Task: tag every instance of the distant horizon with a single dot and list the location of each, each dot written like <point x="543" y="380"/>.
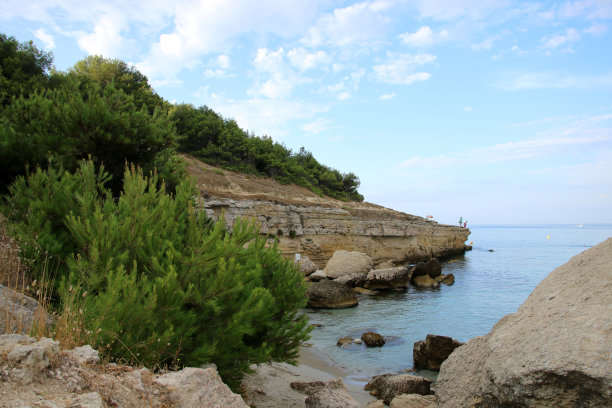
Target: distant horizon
<point x="487" y="110"/>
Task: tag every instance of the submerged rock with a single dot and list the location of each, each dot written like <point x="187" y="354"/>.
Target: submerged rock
<point x="372" y="339"/>
<point x="426" y="281"/>
<point x="344" y="340"/>
<point x="431" y="352"/>
<point x="330" y="295"/>
<point x="553" y="352"/>
<point x="389" y="386"/>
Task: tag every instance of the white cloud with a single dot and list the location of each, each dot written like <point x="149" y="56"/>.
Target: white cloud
<point x="223" y="61"/>
<point x="551" y="80"/>
<point x="360" y="23"/>
<point x="399" y="68"/>
<point x="486" y="44"/>
<point x="46" y="38"/>
<point x="318" y="126"/>
<point x="571" y="35"/>
<point x="468" y="109"/>
<point x="454" y="9"/>
<point x="387" y="96"/>
<point x="423" y="37"/>
<point x="277" y="87"/>
<point x="342" y="96"/>
<point x="593" y="9"/>
<point x="304" y="60"/>
<point x="596" y="29"/>
<point x="269" y="61"/>
<point x="106" y="39"/>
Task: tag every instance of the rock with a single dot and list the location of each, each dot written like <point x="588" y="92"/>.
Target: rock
<point x="431" y="352"/>
<point x="308" y="388"/>
<point x="89" y="400"/>
<point x="306" y="265"/>
<point x="418" y="270"/>
<point x="388" y="386"/>
<point x="446" y="279"/>
<point x="388" y="278"/>
<point x="317" y="276"/>
<point x="352" y="280"/>
<point x="357" y="341"/>
<point x="19" y="312"/>
<point x="344" y="340"/>
<point x="372" y="339"/>
<point x="433" y="268"/>
<point x="333" y="395"/>
<point x="413" y="401"/>
<point x="83" y="355"/>
<point x="385" y="265"/>
<point x="330" y="295"/>
<point x="426" y="281"/>
<point x="376" y="404"/>
<point x="345" y="263"/>
<point x="23" y="358"/>
<point x="364" y="291"/>
<point x="199" y="387"/>
<point x="553" y="352"/>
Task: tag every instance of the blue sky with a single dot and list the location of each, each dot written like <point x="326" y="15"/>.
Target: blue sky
<point x="497" y="111"/>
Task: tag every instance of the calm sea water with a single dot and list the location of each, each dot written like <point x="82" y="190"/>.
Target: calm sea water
<point x="488" y="285"/>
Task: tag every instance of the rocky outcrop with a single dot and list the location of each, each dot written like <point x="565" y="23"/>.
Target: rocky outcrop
<point x="317" y="226"/>
<point x="372" y="339"/>
<point x="553" y="352"/>
<point x="389" y="386"/>
<point x="390" y="278"/>
<point x="18" y="312"/>
<point x="348" y="263"/>
<point x="330" y="295"/>
<point x="353" y="280"/>
<point x="413" y="401"/>
<point x="306" y="265"/>
<point x="332" y="394"/>
<point x="36" y="373"/>
<point x="431" y="352"/>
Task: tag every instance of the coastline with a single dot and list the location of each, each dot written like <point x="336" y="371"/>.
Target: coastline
<point x="270" y="384"/>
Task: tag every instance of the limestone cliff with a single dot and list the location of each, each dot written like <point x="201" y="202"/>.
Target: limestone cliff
<point x="317" y="226"/>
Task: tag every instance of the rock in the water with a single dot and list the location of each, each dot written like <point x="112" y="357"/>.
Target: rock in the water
<point x="418" y="270"/>
<point x="333" y="395"/>
<point x="446" y="279"/>
<point x="19" y="312"/>
<point x="352" y="280"/>
<point x="306" y="265"/>
<point x="358" y="341"/>
<point x="389" y="386"/>
<point x="344" y="340"/>
<point x="431" y="352"/>
<point x="553" y="352"/>
<point x="413" y="401"/>
<point x="426" y="281"/>
<point x="317" y="276"/>
<point x="330" y="295"/>
<point x="433" y="268"/>
<point x="345" y="263"/>
<point x="372" y="339"/>
<point x="199" y="387"/>
<point x="388" y="278"/>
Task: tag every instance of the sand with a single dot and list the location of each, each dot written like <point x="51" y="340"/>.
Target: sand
<point x="270" y="386"/>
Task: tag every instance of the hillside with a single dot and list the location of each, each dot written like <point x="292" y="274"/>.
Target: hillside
<point x="317" y="226"/>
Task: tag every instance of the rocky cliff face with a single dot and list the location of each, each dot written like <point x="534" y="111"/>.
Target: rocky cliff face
<point x="317" y="226"/>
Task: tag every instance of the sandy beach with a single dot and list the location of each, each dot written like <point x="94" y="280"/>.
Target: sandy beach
<point x="270" y="385"/>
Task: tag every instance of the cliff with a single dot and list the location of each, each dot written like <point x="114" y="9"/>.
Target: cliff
<point x="317" y="226"/>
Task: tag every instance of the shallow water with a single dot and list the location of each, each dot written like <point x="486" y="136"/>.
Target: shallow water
<point x="488" y="285"/>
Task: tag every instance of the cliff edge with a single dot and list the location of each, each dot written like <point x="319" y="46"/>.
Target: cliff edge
<point x="317" y="226"/>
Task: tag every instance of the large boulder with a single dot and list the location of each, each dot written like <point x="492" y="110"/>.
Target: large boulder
<point x="199" y="387"/>
<point x="372" y="339"/>
<point x="389" y="278"/>
<point x="553" y="352"/>
<point x="332" y="395"/>
<point x="19" y="312"/>
<point x="306" y="265"/>
<point x="330" y="295"/>
<point x="431" y="352"/>
<point x="23" y="358"/>
<point x="344" y="263"/>
<point x="389" y="386"/>
<point x="352" y="280"/>
<point x="431" y="268"/>
<point x="413" y="401"/>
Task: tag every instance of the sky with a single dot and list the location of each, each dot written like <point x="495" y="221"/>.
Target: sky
<point x="496" y="111"/>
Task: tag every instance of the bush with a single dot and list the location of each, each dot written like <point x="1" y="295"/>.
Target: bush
<point x="159" y="283"/>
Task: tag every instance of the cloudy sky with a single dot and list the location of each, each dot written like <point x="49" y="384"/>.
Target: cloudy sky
<point x="497" y="111"/>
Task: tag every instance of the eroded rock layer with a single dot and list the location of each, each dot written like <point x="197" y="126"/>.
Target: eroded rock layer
<point x="317" y="226"/>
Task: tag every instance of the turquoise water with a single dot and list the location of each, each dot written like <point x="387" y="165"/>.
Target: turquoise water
<point x="488" y="285"/>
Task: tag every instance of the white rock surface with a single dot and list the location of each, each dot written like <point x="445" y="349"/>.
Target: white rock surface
<point x="555" y="351"/>
<point x="346" y="263"/>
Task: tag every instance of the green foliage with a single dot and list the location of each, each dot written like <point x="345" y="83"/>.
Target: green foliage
<point x="218" y="141"/>
<point x="23" y="68"/>
<point x="80" y="119"/>
<point x="161" y="284"/>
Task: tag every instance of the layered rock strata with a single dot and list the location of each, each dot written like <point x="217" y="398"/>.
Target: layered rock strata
<point x="317" y="226"/>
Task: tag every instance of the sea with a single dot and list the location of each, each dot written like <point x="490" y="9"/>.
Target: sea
<point x="492" y="280"/>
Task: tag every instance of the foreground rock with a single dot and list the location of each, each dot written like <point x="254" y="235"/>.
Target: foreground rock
<point x="390" y="278"/>
<point x="372" y="339"/>
<point x="330" y="295"/>
<point x="431" y="352"/>
<point x="19" y="313"/>
<point x="553" y="352"/>
<point x="332" y="394"/>
<point x="389" y="386"/>
<point x="413" y="401"/>
<point x="306" y="265"/>
<point x="347" y="263"/>
<point x="36" y="373"/>
<point x="352" y="280"/>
